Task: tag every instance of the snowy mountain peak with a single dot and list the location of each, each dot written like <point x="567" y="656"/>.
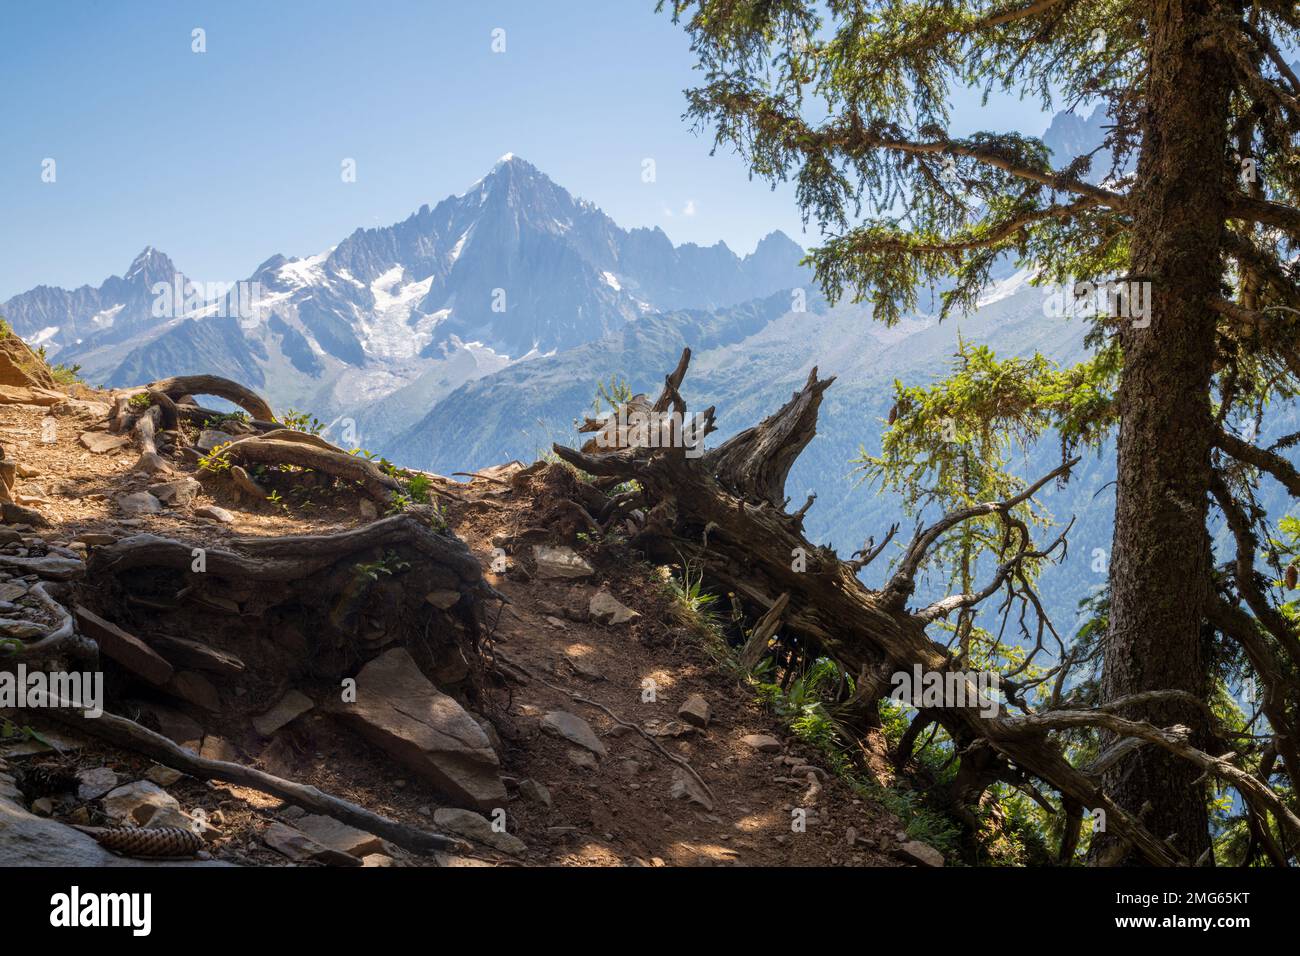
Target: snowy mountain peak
<point x="148" y="267"/>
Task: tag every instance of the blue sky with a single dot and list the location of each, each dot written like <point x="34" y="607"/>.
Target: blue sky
<point x="224" y="158"/>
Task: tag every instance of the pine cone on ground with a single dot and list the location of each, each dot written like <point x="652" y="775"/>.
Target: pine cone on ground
<point x="146" y="841"/>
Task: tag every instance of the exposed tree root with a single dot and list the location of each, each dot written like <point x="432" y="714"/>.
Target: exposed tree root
<point x="129" y="735"/>
<point x="187" y="385"/>
<point x="265" y="450"/>
<point x="293" y="557"/>
<point x="61" y="643"/>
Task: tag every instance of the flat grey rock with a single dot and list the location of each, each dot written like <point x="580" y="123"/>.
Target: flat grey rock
<point x="574" y="729"/>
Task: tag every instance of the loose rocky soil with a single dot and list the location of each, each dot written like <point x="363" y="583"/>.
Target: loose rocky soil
<point x="569" y="806"/>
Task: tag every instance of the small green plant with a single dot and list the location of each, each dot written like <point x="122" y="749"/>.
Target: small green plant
<point x="697" y="603"/>
<point x="696" y="608"/>
<point x="613" y="393"/>
<point x="10" y="730"/>
<point x="391" y="563"/>
<point x="225" y="420"/>
<point x="215" y="461"/>
<point x="420" y="487"/>
<point x="63" y="374"/>
<point x="438" y="518"/>
<point x="67" y="374"/>
<point x="140" y="401"/>
<point x="302" y="422"/>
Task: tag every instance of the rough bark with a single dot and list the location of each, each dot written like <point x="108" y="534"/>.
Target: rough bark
<point x="1159" y="570"/>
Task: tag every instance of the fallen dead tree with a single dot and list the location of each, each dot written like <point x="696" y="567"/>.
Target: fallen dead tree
<point x="724" y="512"/>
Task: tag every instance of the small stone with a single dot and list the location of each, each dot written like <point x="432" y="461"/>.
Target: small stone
<point x="763" y="743"/>
<point x="534" y="791"/>
<point x="468" y="824"/>
<point x="583" y="665"/>
<point x="139" y="503"/>
<point x="138" y="802"/>
<point x="377" y="859"/>
<point x="101" y="443"/>
<point x="93" y="784"/>
<point x="339" y="836"/>
<point x="425" y="730"/>
<point x="443" y="600"/>
<point x="215" y="513"/>
<point x="695" y="711"/>
<point x="606" y="609"/>
<point x="291" y="706"/>
<point x="176" y="817"/>
<point x="803" y="769"/>
<point x="210" y="438"/>
<point x="920" y="853"/>
<point x="561" y="723"/>
<point x="367" y="509"/>
<point x="125" y="649"/>
<point x="297" y="846"/>
<point x="583" y="759"/>
<point x="561" y="562"/>
<point x="218" y="748"/>
<point x="673" y="728"/>
<point x="96" y="538"/>
<point x="177" y="493"/>
<point x="686" y="787"/>
<point x="163" y="776"/>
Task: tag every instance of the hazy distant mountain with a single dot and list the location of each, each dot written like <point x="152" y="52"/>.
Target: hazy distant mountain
<point x="118" y="309"/>
<point x="1070" y="135"/>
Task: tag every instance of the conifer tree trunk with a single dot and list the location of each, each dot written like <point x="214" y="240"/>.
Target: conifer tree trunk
<point x="1160" y="558"/>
